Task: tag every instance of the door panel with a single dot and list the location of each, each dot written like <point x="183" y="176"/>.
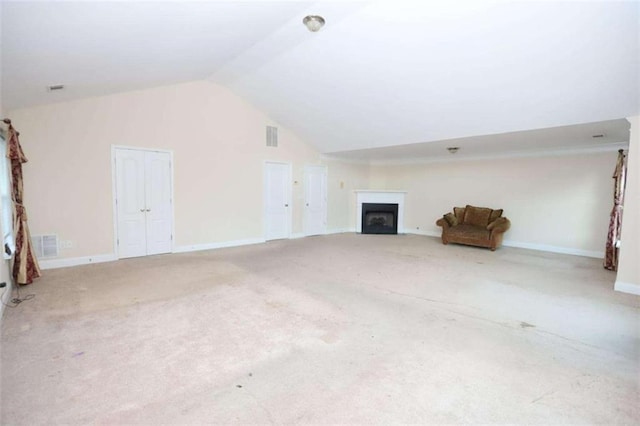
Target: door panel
<point x="158" y="202"/>
<point x="315" y="210"/>
<point x="277" y="201"/>
<point x="130" y="203"/>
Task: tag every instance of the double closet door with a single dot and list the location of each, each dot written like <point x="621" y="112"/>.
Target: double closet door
<point x="143" y="202"/>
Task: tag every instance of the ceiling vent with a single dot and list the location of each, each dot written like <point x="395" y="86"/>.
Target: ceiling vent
<point x="272" y="136"/>
<point x="45" y="245"/>
<point x="55" y="87"/>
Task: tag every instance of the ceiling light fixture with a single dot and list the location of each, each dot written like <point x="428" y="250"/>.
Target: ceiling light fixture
<point x="453" y="149"/>
<point x="313" y="22"/>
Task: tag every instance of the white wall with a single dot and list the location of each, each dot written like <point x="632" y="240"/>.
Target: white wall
<point x="219" y="149"/>
<point x="556" y="203"/>
<point x="5" y="275"/>
<point x="628" y="278"/>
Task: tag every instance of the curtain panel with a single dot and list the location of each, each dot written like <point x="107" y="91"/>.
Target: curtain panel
<point x="615" y="221"/>
<point x="25" y="263"/>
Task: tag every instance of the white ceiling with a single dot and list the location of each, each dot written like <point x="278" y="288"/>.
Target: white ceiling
<point x="96" y="48"/>
<point x="379" y="74"/>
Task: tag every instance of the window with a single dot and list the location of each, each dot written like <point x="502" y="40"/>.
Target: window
<point x="6" y="204"/>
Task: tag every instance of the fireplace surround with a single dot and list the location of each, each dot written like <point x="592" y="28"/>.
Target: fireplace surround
<point x="380" y="197"/>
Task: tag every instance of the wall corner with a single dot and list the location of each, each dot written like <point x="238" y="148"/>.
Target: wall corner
<point x="628" y="277"/>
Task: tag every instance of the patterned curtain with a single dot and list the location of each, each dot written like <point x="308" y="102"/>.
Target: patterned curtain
<point x="615" y="222"/>
<point x="25" y="264"/>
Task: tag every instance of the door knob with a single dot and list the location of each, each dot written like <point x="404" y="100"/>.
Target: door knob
<point x="142" y="210"/>
<point x="286" y="205"/>
<point x="307" y="204"/>
<point x="148" y="210"/>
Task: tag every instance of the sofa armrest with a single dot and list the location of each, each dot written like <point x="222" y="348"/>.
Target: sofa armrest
<point x="442" y="222"/>
<point x="500" y="225"/>
<point x="449" y="219"/>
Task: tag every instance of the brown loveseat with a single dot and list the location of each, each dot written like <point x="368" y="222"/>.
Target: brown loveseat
<point x="476" y="226"/>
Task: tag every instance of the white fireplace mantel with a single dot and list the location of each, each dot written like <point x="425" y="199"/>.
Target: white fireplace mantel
<point x="382" y="197"/>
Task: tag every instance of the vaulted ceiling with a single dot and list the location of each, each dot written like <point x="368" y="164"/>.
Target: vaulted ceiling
<point x="379" y="74"/>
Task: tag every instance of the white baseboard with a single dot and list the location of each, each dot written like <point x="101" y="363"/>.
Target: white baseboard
<point x="625" y="287"/>
<point x="424" y="233"/>
<point x="530" y="246"/>
<point x="327" y="232"/>
<point x="340" y="231"/>
<point x="76" y="261"/>
<point x="223" y="244"/>
<point x="555" y="249"/>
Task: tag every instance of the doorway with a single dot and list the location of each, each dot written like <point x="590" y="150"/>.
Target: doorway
<point x="143" y="202"/>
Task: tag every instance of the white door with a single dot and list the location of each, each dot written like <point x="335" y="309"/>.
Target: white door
<point x="158" y="202"/>
<point x="315" y="200"/>
<point x="130" y="208"/>
<point x="277" y="201"/>
<point x="143" y="202"/>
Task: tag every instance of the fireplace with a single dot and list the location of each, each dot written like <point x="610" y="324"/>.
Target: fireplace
<point x="380" y="197"/>
<point x="379" y="218"/>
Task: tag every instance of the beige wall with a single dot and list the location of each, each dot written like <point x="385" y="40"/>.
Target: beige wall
<point x="343" y="179"/>
<point x="553" y="202"/>
<point x="218" y="141"/>
<point x="628" y="278"/>
<point x="219" y="151"/>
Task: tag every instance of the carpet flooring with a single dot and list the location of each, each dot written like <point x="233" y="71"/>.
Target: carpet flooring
<point x="350" y="329"/>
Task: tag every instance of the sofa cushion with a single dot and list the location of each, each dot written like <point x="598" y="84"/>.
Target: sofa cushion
<point x="451" y="219"/>
<point x="495" y="214"/>
<point x="459" y="212"/>
<point x="470" y="232"/>
<point x="477" y="216"/>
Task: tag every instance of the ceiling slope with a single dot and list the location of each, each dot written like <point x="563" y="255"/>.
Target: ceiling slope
<point x="397" y="73"/>
<point x="102" y="47"/>
<point x="379" y="74"/>
<point x="599" y="136"/>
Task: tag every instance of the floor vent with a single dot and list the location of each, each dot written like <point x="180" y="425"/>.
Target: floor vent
<point x="45" y="245"/>
<point x="272" y="136"/>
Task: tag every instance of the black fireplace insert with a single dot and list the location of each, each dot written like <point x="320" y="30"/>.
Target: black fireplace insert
<point x="379" y="218"/>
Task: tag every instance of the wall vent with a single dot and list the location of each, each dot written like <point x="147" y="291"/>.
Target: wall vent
<point x="45" y="245"/>
<point x="272" y="136"/>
